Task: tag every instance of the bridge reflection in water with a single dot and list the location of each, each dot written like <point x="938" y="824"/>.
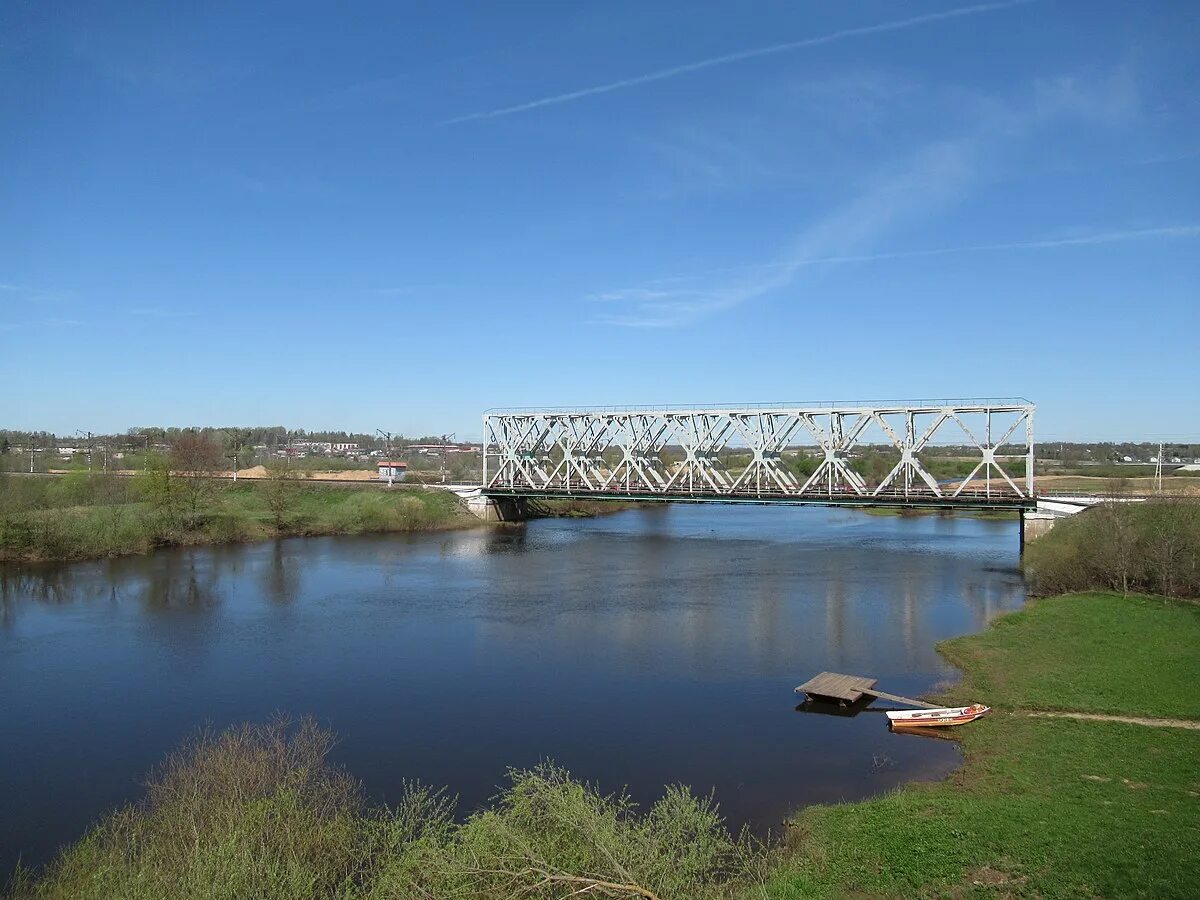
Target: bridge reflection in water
<point x="731" y="454"/>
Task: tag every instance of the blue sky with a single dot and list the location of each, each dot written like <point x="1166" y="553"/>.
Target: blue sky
<point x="398" y="215"/>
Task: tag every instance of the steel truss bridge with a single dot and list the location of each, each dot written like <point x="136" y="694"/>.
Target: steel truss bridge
<point x="732" y="454"/>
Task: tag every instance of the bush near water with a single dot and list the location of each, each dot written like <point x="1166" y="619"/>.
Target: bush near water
<point x="1150" y="547"/>
<point x="259" y="811"/>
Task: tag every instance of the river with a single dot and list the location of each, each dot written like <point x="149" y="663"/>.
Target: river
<point x="647" y="647"/>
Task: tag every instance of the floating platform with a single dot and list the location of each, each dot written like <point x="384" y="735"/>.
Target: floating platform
<point x="846" y="690"/>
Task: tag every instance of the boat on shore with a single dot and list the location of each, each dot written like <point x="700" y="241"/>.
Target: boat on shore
<point x="936" y="718"/>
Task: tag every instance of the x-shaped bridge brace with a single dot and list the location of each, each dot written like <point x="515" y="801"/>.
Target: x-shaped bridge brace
<point x="636" y="452"/>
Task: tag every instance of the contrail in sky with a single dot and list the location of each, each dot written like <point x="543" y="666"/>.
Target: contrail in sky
<point x="663" y="74"/>
<point x="1104" y="237"/>
<point x="672" y="300"/>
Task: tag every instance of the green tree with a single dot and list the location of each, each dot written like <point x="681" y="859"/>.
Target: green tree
<point x="280" y="491"/>
<point x="195" y="460"/>
<point x="155" y="484"/>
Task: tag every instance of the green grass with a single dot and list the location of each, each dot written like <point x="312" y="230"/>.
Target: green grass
<point x="1042" y="807"/>
<point x="1087" y="652"/>
<point x="116" y="517"/>
<point x="328" y="509"/>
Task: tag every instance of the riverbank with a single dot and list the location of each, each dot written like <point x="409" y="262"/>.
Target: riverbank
<point x="92" y="517"/>
<point x="81" y="516"/>
<point x="577" y="508"/>
<point x="909" y="512"/>
<point x="1042" y="806"/>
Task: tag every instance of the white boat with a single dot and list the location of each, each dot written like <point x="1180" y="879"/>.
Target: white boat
<point x="926" y="718"/>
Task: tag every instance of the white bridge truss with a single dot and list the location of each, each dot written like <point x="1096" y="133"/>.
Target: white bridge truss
<point x="739" y="453"/>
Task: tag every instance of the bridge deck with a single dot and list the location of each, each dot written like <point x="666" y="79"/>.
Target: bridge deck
<point x="965" y="500"/>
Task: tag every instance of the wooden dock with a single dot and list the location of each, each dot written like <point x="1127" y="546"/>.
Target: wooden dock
<point x="832" y="687"/>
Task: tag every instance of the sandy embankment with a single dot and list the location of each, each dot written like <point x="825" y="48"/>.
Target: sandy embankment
<point x="259" y="472"/>
<point x="344" y="475"/>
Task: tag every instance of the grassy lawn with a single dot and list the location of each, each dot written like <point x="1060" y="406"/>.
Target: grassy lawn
<point x="1087" y="652"/>
<point x="1042" y="807"/>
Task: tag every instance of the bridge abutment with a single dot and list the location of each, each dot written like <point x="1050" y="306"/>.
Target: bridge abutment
<point x="1034" y="525"/>
<point x="499" y="509"/>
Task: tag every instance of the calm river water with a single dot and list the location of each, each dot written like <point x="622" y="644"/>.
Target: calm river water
<point x="642" y="648"/>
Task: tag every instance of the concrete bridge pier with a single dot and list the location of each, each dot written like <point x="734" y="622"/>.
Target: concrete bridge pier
<point x="1034" y="525"/>
<point x="498" y="509"/>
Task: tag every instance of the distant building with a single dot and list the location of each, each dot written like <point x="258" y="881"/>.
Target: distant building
<point x="345" y="448"/>
<point x="441" y="448"/>
<point x="390" y="470"/>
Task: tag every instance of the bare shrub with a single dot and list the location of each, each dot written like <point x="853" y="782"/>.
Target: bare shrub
<point x="1150" y="547"/>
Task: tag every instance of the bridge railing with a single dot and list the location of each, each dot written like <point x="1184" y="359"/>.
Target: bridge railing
<point x="753" y="451"/>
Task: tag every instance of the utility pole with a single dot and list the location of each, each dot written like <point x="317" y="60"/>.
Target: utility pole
<point x="87" y="435"/>
<point x="387" y="440"/>
<point x="446" y="439"/>
<point x="1158" y="470"/>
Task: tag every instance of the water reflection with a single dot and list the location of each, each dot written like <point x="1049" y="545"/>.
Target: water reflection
<point x="281" y="576"/>
<point x="649" y="647"/>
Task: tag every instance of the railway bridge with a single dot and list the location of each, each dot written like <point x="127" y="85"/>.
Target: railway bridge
<point x="808" y="453"/>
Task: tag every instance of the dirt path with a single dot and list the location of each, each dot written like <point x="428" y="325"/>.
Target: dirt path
<point x="1132" y="720"/>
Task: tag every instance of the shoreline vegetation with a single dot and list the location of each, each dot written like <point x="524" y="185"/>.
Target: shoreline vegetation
<point x="1152" y="547"/>
<point x="998" y="515"/>
<point x="581" y="508"/>
<point x="1044" y="805"/>
<point x="81" y="516"/>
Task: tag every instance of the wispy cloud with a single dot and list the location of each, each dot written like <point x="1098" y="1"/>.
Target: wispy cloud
<point x="657" y="305"/>
<point x="740" y="56"/>
<point x="1080" y="240"/>
<point x="935" y="177"/>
